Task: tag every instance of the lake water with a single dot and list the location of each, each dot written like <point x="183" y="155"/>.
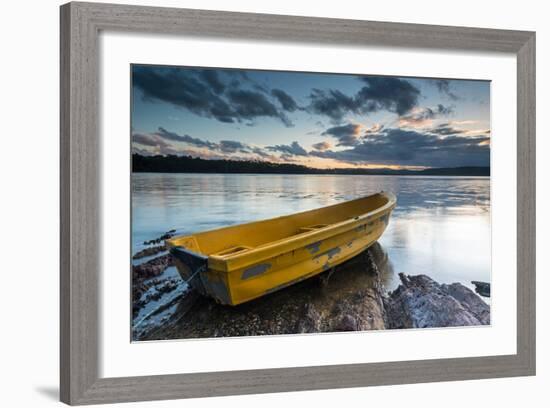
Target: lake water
<point x="440" y="227"/>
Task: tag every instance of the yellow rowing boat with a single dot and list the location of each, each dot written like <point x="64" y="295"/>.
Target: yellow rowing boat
<point x="239" y="263"/>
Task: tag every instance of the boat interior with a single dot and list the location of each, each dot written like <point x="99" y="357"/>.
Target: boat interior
<point x="235" y="240"/>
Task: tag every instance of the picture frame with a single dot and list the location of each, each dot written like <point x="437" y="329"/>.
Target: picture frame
<point x="81" y="24"/>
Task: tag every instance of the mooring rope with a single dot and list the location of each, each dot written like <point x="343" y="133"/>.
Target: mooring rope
<point x="201" y="269"/>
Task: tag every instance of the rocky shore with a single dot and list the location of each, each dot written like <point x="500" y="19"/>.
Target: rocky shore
<point x="150" y="251"/>
<point x="422" y="302"/>
<point x="352" y="298"/>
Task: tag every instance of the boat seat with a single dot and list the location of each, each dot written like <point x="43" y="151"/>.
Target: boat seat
<point x="232" y="251"/>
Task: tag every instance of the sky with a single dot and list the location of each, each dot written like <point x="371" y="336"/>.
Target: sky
<point x="319" y="120"/>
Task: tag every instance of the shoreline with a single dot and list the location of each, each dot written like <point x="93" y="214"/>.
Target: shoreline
<point x="189" y="164"/>
<point x="353" y="298"/>
<point x="441" y="176"/>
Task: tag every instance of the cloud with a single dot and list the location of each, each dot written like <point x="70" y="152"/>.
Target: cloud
<point x="147" y="140"/>
<point x="374" y="129"/>
<point x="387" y="93"/>
<point x="286" y="101"/>
<point x="347" y="135"/>
<point x="161" y="137"/>
<point x="463" y="122"/>
<point x="446" y="129"/>
<point x="444" y="110"/>
<point x="153" y="144"/>
<point x="396" y="146"/>
<point x="249" y="105"/>
<point x="141" y="151"/>
<point x="293" y="149"/>
<point x="262" y="153"/>
<point x="225" y="146"/>
<point x="422" y="117"/>
<point x="444" y="86"/>
<point x="211" y="77"/>
<point x="182" y="88"/>
<point x="205" y="93"/>
<point x="159" y="142"/>
<point x="232" y="146"/>
<point x="331" y="103"/>
<point x="379" y="93"/>
<point x="321" y="146"/>
<point x="184" y="139"/>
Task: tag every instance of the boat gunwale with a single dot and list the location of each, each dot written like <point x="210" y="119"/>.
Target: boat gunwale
<point x="287" y="244"/>
<point x="282" y="246"/>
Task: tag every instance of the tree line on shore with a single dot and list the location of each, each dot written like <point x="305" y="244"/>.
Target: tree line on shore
<point x="188" y="164"/>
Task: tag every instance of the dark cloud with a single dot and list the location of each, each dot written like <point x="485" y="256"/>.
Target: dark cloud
<point x="239" y="73"/>
<point x="287" y="157"/>
<point x="261" y="152"/>
<point x="211" y="77"/>
<point x="408" y="147"/>
<point x="444" y="110"/>
<point x="249" y="105"/>
<point x="158" y="144"/>
<point x="183" y="88"/>
<point x="379" y="93"/>
<point x="347" y="135"/>
<point x="225" y="146"/>
<point x="232" y="146"/>
<point x="322" y="146"/>
<point x="424" y="116"/>
<point x="160" y="139"/>
<point x="446" y="129"/>
<point x="293" y="149"/>
<point x="185" y="139"/>
<point x="387" y="93"/>
<point x="241" y="78"/>
<point x="331" y="103"/>
<point x="286" y="101"/>
<point x="147" y="140"/>
<point x="374" y="129"/>
<point x="204" y="93"/>
<point x="444" y="86"/>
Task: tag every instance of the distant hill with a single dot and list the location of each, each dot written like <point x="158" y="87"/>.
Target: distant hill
<point x="188" y="164"/>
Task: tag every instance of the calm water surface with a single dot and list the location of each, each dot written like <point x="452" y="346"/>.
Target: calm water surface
<point x="440" y="227"/>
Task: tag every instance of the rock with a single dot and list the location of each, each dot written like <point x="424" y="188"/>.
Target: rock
<point x="168" y="286"/>
<point x="311" y="322"/>
<point x="142" y="281"/>
<point x="151" y="268"/>
<point x="350" y="300"/>
<point x="422" y="302"/>
<point x="347" y="323"/>
<point x="163" y="237"/>
<point x="353" y="299"/>
<point x="470" y="302"/>
<point x="149" y="251"/>
<point x="483" y="288"/>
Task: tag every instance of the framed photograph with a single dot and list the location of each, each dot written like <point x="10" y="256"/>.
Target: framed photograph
<point x="259" y="203"/>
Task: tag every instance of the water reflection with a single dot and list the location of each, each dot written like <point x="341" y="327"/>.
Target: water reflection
<point x="440" y="227"/>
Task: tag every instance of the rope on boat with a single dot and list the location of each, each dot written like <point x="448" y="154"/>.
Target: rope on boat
<point x="201" y="269"/>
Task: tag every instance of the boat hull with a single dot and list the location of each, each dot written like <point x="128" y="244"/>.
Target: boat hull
<point x="246" y="273"/>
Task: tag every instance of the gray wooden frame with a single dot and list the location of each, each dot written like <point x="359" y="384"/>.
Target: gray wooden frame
<point x="80" y="192"/>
